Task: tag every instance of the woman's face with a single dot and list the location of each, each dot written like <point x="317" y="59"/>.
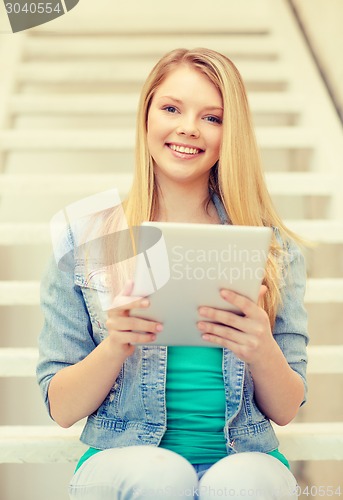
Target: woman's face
<point x="184" y="130"/>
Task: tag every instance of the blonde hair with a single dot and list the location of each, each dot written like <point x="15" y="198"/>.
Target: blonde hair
<point x="237" y="176"/>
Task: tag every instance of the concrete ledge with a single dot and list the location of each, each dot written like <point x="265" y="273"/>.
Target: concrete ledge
<point x="22" y="361"/>
<point x="319" y="291"/>
<point x="51" y="444"/>
<point x="268" y="138"/>
<point x="279" y="183"/>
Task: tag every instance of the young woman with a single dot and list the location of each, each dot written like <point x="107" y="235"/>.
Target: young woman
<point x="183" y="422"/>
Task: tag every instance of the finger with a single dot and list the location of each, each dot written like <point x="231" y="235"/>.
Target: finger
<point x="245" y="305"/>
<point x="220" y="341"/>
<point x="135" y="338"/>
<point x="122" y="303"/>
<point x="130" y="323"/>
<point x="124" y="297"/>
<point x="222" y="331"/>
<point x="225" y="317"/>
<point x="237" y="349"/>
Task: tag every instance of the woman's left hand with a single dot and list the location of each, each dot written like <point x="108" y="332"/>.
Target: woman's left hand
<point x="249" y="337"/>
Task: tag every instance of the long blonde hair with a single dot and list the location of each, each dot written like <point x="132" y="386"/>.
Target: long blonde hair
<point x="237" y="177"/>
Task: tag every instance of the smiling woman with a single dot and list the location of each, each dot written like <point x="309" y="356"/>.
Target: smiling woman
<point x="164" y="423"/>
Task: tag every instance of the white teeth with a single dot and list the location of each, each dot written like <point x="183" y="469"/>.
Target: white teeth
<point x="182" y="149"/>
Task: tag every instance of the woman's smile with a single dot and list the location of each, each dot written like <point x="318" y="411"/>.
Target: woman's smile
<point x="184" y="151"/>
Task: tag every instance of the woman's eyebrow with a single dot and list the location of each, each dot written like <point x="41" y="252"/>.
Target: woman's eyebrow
<point x="211" y="108"/>
<point x="171" y="97"/>
<point x="218" y="108"/>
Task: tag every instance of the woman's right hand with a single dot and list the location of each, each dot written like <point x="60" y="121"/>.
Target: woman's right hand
<point x="121" y="325"/>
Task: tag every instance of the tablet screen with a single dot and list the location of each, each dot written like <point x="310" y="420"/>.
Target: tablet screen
<point x="189" y="265"/>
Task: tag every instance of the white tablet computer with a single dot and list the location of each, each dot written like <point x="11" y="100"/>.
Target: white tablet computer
<point x="184" y="266"/>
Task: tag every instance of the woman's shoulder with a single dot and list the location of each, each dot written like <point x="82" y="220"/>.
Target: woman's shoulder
<point x="78" y="241"/>
<point x="79" y="230"/>
<point x="290" y="249"/>
<point x="291" y="261"/>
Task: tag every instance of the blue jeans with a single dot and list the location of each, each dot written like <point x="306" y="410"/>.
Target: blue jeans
<point x="151" y="473"/>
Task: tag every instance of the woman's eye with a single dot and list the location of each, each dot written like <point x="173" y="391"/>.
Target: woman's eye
<point x="213" y="119"/>
<point x="170" y="109"/>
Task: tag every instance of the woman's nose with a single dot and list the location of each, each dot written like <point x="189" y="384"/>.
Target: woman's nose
<point x="188" y="128"/>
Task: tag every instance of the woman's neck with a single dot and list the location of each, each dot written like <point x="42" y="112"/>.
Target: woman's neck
<point x="182" y="204"/>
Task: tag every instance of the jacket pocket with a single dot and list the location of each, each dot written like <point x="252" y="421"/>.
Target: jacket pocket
<point x="95" y="291"/>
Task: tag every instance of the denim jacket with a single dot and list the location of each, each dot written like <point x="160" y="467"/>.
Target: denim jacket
<point x="134" y="411"/>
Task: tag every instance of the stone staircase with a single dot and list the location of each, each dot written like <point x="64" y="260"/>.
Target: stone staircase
<point x="68" y="96"/>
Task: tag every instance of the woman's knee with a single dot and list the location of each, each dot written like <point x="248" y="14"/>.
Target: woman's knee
<point x="248" y="475"/>
<point x="134" y="472"/>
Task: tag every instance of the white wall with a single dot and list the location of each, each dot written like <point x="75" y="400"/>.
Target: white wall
<point x="323" y="21"/>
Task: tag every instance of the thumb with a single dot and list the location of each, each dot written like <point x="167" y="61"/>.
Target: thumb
<point x="127" y="289"/>
<point x="263" y="291"/>
<point x="125" y="296"/>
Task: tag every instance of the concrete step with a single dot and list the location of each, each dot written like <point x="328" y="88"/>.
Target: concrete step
<point x="319" y="291"/>
<point x="132" y="71"/>
<point x="292" y="138"/>
<point x="321" y="231"/>
<point x="21" y="362"/>
<point x="253" y="46"/>
<point x="40" y="444"/>
<point x="227" y="17"/>
<point x="300" y="183"/>
<point x="119" y="103"/>
<point x="33" y="233"/>
<point x="311" y="441"/>
<point x="18" y="362"/>
<point x="324" y="290"/>
<point x="52" y="444"/>
<point x="279" y="183"/>
<point x="36" y="233"/>
<point x="14" y="293"/>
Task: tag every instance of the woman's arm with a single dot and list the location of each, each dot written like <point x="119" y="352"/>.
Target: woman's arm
<point x="279" y="390"/>
<point x="74" y="374"/>
<point x="78" y="390"/>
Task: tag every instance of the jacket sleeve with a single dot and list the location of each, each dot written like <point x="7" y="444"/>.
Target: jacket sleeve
<point x="290" y="328"/>
<point x="66" y="336"/>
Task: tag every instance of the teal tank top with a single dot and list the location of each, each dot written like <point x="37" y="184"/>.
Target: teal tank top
<point x="195" y="400"/>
